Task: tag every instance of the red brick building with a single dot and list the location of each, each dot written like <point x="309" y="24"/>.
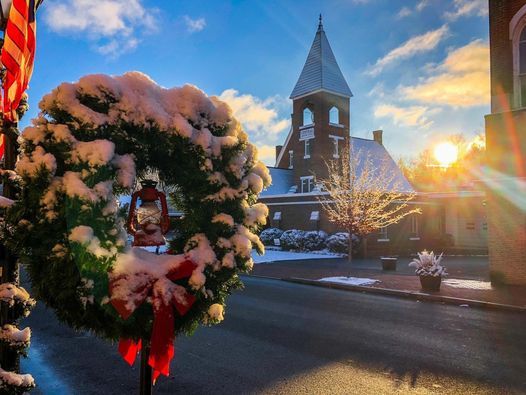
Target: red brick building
<point x="506" y="142"/>
<point x="320" y="128"/>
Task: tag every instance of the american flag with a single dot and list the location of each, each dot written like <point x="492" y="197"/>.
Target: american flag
<point x="18" y="54"/>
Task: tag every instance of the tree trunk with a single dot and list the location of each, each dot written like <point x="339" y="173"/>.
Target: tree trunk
<point x="364" y="247"/>
<point x="350" y="248"/>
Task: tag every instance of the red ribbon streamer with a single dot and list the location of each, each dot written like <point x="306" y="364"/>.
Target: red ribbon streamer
<point x="165" y="295"/>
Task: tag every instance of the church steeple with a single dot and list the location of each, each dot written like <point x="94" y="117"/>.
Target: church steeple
<point x="321" y="71"/>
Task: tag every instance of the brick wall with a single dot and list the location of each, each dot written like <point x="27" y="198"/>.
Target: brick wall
<point x="506" y="240"/>
<point x="321" y="146"/>
<point x="297" y="216"/>
<point x="501" y="55"/>
<point x="506" y="154"/>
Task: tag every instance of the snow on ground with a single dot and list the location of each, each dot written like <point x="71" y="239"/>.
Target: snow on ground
<point x="467" y="284"/>
<point x="275" y="255"/>
<point x="350" y="280"/>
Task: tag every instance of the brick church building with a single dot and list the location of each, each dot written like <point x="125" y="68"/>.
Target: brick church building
<point x="506" y="142"/>
<point x="320" y="128"/>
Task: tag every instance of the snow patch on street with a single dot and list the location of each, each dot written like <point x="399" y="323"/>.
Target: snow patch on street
<point x="467" y="284"/>
<point x="274" y="255"/>
<point x="350" y="280"/>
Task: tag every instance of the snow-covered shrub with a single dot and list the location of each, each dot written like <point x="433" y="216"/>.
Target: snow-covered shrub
<point x="267" y="236"/>
<point x="339" y="242"/>
<point x="314" y="240"/>
<point x="428" y="264"/>
<point x="292" y="239"/>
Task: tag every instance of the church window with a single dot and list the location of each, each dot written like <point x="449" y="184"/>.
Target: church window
<point x="334" y="116"/>
<point x="307" y="183"/>
<point x="522" y="67"/>
<point x="308" y="117"/>
<point x="517" y="35"/>
<point x="307" y="149"/>
<point x="336" y="145"/>
<point x="291" y="159"/>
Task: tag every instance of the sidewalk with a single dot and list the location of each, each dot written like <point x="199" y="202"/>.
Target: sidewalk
<point x="468" y="279"/>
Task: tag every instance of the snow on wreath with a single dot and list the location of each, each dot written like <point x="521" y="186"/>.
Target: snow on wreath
<point x="91" y="143"/>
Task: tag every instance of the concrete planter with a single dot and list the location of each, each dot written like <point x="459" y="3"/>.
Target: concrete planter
<point x="388" y="263"/>
<point x="430" y="283"/>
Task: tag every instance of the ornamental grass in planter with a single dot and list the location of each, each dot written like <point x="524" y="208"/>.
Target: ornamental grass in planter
<point x="429" y="269"/>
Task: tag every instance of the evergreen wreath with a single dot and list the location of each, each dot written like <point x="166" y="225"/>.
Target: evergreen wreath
<point x="91" y="141"/>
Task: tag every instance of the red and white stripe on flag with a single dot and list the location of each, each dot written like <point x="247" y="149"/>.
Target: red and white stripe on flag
<point x="18" y="54"/>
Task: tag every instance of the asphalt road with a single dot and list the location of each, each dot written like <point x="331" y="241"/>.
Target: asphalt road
<point x="465" y="267"/>
<point x="296" y="339"/>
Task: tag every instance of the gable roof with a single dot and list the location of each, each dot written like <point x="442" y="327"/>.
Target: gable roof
<point x="282" y="180"/>
<point x="321" y="71"/>
<point x="381" y="160"/>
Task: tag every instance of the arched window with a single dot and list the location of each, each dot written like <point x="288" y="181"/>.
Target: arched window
<point x="522" y="67"/>
<point x="308" y="117"/>
<point x="334" y="116"/>
<point x="517" y="35"/>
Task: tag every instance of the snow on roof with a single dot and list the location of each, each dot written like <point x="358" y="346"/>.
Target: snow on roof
<point x="321" y="71"/>
<point x="381" y="158"/>
<point x="282" y="180"/>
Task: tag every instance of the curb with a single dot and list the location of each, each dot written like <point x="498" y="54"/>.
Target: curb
<point x="406" y="294"/>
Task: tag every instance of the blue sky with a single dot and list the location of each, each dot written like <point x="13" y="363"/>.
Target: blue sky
<point x="418" y="69"/>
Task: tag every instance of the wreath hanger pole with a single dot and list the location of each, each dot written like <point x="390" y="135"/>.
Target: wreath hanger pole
<point x="146" y="369"/>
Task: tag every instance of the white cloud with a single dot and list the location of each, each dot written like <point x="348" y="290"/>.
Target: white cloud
<point x="260" y="119"/>
<point x="194" y="25"/>
<point x="405" y="11"/>
<point x="111" y="24"/>
<point x="422" y="4"/>
<point x="416" y="116"/>
<point x="461" y="80"/>
<point x="415" y="45"/>
<point x="464" y="8"/>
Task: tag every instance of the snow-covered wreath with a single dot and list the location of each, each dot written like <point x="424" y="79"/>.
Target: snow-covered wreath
<point x="90" y="143"/>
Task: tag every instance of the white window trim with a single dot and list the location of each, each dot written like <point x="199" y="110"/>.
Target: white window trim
<point x="291" y="159"/>
<point x="303" y="117"/>
<point x="336" y="125"/>
<point x="383" y="240"/>
<point x="336" y="138"/>
<point x="307" y="126"/>
<point x="415" y="230"/>
<point x="311" y="178"/>
<point x="307" y="141"/>
<point x="517" y="24"/>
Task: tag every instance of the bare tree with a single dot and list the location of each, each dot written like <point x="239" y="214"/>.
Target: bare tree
<point x="364" y="195"/>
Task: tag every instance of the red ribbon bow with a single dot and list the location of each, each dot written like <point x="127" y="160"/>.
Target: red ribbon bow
<point x="165" y="295"/>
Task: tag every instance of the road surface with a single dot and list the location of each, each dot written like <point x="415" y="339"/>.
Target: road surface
<point x="297" y="339"/>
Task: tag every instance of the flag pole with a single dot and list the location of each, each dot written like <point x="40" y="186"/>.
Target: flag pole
<point x="9" y="272"/>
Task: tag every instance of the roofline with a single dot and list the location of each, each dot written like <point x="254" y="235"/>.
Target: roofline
<point x="320" y="90"/>
<point x="280" y="155"/>
<point x="452" y="194"/>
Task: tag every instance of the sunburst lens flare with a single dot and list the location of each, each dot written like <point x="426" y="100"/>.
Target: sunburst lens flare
<point x="446" y="154"/>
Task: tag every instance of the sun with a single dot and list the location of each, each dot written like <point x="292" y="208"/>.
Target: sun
<point x="446" y="153"/>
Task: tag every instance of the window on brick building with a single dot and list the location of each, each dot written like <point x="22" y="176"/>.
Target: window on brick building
<point x="291" y="159"/>
<point x="308" y="117"/>
<point x="335" y="142"/>
<point x="414" y="225"/>
<point x="307" y="184"/>
<point x="522" y="67"/>
<point x="307" y="149"/>
<point x="382" y="234"/>
<point x="334" y="116"/>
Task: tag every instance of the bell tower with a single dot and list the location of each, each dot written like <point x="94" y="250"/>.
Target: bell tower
<point x="320" y="117"/>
